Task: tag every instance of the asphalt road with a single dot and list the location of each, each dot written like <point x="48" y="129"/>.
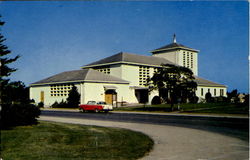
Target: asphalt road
<point x="229" y="126"/>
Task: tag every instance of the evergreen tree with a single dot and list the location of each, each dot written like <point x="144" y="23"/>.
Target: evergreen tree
<point x="5" y="70"/>
<point x="73" y="99"/>
<point x="14" y="99"/>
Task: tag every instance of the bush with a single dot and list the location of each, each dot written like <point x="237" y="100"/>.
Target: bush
<point x="194" y="99"/>
<point x="208" y="97"/>
<point x="220" y="99"/>
<point x="73" y="99"/>
<point x="156" y="100"/>
<point x="62" y="104"/>
<point x="19" y="114"/>
<point x="40" y="105"/>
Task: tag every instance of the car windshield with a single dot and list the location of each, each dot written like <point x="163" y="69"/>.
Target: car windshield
<point x="101" y="103"/>
<point x="91" y="102"/>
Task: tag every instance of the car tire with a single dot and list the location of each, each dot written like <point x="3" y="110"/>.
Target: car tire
<point x="96" y="110"/>
<point x="80" y="109"/>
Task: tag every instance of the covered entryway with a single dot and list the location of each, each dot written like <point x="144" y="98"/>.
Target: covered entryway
<point x="141" y="94"/>
<point x="110" y="94"/>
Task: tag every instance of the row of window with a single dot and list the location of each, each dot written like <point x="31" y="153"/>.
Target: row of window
<point x="188" y="59"/>
<point x="60" y="89"/>
<point x="214" y="93"/>
<point x="104" y="70"/>
<point x="143" y="75"/>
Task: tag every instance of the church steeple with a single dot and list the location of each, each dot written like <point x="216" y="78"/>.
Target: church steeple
<point x="174" y="38"/>
<point x="179" y="54"/>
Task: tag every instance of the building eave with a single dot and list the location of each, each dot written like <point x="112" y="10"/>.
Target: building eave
<point x="174" y="48"/>
<point x="120" y="62"/>
<point x="80" y="81"/>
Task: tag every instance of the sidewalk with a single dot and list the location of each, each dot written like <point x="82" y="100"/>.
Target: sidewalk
<point x="161" y="113"/>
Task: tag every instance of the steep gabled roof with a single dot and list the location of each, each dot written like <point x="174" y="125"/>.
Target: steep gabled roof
<point x="172" y="46"/>
<point x="204" y="82"/>
<point x="129" y="58"/>
<point x="84" y="75"/>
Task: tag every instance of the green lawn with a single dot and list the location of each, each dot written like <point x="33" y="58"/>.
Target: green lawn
<point x="217" y="108"/>
<point x="58" y="141"/>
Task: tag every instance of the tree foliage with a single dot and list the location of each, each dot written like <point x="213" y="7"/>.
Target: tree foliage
<point x="73" y="99"/>
<point x="5" y="70"/>
<point x="177" y="80"/>
<point x="14" y="96"/>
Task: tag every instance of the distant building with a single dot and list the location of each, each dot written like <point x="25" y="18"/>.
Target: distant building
<point x="122" y="77"/>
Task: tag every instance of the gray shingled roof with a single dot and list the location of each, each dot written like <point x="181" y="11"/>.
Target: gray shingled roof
<point x="203" y="82"/>
<point x="80" y="75"/>
<point x="123" y="57"/>
<point x="173" y="46"/>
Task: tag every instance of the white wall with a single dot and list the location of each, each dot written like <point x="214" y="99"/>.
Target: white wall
<point x="130" y="73"/>
<point x="212" y="91"/>
<point x="116" y="70"/>
<point x="35" y="93"/>
<point x="177" y="58"/>
<point x="169" y="55"/>
<point x="96" y="92"/>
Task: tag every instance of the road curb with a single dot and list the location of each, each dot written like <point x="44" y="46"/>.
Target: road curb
<point x="162" y="114"/>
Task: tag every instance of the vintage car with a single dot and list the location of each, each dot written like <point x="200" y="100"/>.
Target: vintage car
<point x="95" y="106"/>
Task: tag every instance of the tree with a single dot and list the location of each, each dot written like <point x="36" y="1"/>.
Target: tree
<point x="5" y="70"/>
<point x="73" y="99"/>
<point x="208" y="97"/>
<point x="233" y="96"/>
<point x="177" y="80"/>
<point x="14" y="96"/>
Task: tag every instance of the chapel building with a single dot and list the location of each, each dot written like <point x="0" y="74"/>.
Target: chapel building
<point x="122" y="78"/>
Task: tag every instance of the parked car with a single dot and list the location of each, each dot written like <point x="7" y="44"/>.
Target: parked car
<point x="95" y="106"/>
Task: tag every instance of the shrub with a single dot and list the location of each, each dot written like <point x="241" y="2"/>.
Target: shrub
<point x="19" y="114"/>
<point x="208" y="97"/>
<point x="40" y="105"/>
<point x="62" y="104"/>
<point x="194" y="99"/>
<point x="220" y="99"/>
<point x="73" y="99"/>
<point x="156" y="100"/>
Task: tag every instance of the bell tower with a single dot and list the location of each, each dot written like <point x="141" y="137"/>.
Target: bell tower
<point x="179" y="54"/>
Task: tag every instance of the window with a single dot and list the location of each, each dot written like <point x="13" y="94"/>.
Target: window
<point x="221" y="92"/>
<point x="214" y="92"/>
<point x="184" y="59"/>
<point x="201" y="91"/>
<point x="191" y="60"/>
<point x="104" y="70"/>
<point x="144" y="75"/>
<point x="60" y="89"/>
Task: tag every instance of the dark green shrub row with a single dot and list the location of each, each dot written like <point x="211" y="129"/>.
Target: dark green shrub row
<point x="62" y="104"/>
<point x="19" y="114"/>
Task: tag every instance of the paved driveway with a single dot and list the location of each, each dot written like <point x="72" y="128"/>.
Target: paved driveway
<point x="177" y="143"/>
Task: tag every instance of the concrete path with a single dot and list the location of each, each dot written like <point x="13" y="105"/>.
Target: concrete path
<point x="177" y="143"/>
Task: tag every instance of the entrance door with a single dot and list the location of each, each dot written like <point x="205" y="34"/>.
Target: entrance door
<point x="141" y="95"/>
<point x="108" y="98"/>
<point x="42" y="96"/>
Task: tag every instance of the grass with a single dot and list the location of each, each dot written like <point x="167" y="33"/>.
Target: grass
<point x="216" y="108"/>
<point x="57" y="141"/>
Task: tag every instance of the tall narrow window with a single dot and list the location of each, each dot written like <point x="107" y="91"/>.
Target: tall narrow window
<point x="221" y="92"/>
<point x="201" y="91"/>
<point x="214" y="92"/>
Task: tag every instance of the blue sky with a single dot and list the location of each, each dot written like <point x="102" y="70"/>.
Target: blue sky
<point x="53" y="37"/>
